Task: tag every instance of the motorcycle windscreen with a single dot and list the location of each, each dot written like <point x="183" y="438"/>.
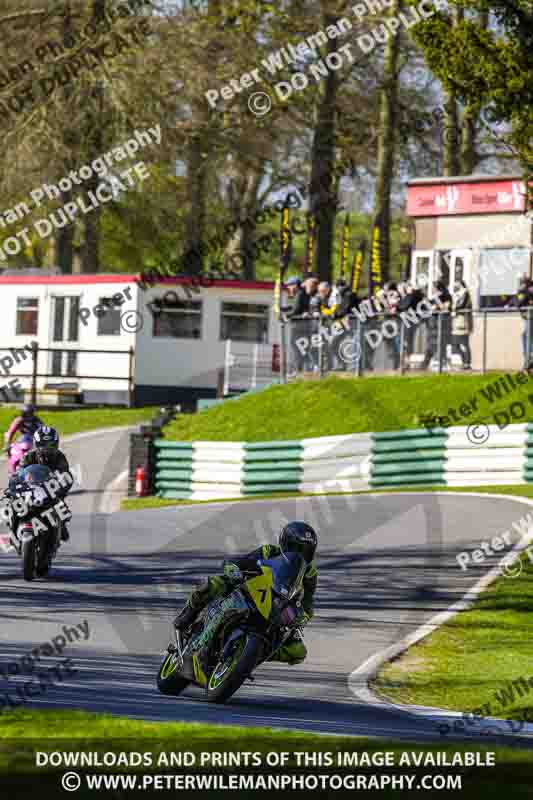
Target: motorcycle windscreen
<point x="288" y="572"/>
<point x="36" y="473"/>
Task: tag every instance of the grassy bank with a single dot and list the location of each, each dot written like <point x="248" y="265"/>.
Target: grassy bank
<point x="69" y="422"/>
<point x="338" y="405"/>
<point x="472" y="659"/>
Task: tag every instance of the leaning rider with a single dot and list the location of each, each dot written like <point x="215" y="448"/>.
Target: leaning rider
<point x="46" y="452"/>
<point x="296" y="537"/>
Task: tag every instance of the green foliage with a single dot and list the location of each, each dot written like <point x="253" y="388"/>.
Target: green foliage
<point x="489" y="67"/>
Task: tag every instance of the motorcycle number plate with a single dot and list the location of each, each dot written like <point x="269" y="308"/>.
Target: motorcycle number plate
<point x="39" y="495"/>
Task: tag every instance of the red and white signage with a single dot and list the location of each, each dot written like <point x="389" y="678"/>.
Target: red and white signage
<point x="466" y="198"/>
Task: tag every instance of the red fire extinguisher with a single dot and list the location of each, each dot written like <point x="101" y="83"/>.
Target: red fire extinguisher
<point x="140" y="482"/>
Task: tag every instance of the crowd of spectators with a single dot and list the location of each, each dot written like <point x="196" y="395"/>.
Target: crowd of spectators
<point x="315" y="306"/>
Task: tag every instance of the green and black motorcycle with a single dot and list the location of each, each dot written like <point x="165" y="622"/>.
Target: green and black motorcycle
<point x="236" y="633"/>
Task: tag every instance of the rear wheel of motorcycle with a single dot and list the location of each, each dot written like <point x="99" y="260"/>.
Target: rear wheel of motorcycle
<point x="28" y="559"/>
<point x="230" y="673"/>
<point x="169" y="680"/>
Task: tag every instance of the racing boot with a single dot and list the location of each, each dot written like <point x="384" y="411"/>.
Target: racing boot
<point x="186" y="617"/>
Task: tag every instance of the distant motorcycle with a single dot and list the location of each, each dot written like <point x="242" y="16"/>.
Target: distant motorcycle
<point x="17" y="451"/>
<point x="236" y="633"/>
<point x="26" y="499"/>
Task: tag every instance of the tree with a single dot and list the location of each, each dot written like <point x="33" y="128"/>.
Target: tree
<point x="488" y="66"/>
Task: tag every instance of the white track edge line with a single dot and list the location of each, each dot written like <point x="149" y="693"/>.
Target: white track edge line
<point x="358" y="680"/>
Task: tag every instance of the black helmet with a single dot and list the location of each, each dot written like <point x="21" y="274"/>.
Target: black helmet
<point x="299" y="537"/>
<point x="28" y="410"/>
<point x="46" y="439"/>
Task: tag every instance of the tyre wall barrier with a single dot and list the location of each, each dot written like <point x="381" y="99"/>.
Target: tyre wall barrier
<point x="458" y="456"/>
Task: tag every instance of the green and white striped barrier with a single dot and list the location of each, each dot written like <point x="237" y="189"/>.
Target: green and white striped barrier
<point x="459" y="456"/>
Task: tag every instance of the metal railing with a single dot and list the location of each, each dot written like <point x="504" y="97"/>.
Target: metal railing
<point x="35" y="373"/>
<point x="442" y="341"/>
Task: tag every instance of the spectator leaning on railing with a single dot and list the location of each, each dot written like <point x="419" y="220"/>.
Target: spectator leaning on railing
<point x="392" y="303"/>
<point x="438" y="321"/>
<point x="298" y="316"/>
<point x="524" y="302"/>
<point x="462" y="322"/>
<point x="410" y="297"/>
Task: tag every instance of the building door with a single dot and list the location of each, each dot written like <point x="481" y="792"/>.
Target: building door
<point x="460" y="262"/>
<point x="422" y="268"/>
<point x="65" y="331"/>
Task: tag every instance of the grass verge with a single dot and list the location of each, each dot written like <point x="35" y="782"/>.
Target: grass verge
<point x="24" y="733"/>
<point x="139" y="503"/>
<point x="69" y="422"/>
<point x="338" y="405"/>
<point x="469" y="664"/>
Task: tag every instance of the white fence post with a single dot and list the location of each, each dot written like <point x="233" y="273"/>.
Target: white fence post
<point x="254" y="367"/>
<point x="227" y="359"/>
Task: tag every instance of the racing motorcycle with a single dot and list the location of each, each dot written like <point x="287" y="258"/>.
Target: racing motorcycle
<point x="26" y="498"/>
<point x="236" y="633"/>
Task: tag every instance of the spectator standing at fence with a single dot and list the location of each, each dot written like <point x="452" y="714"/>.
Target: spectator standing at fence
<point x="324" y="306"/>
<point x="439" y="327"/>
<point x="293" y="287"/>
<point x="462" y="322"/>
<point x="410" y="297"/>
<point x="524" y="302"/>
<point x="391" y="301"/>
<point x="300" y="324"/>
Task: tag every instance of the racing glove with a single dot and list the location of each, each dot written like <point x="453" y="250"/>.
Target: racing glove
<point x="302" y="617"/>
<point x="232" y="572"/>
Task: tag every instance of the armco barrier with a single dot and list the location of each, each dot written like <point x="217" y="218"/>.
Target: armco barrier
<point x="458" y="456"/>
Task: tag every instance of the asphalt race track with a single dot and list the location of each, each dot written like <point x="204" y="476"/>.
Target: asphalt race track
<point x="387" y="563"/>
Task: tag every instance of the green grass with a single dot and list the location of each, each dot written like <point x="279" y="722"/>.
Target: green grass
<point x="475" y="654"/>
<point x="78" y="731"/>
<point x="24" y="733"/>
<point x="140" y="503"/>
<point x="69" y="422"/>
<point x="337" y="405"/>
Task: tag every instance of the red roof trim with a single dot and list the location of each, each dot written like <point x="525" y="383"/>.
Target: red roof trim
<point x="37" y="280"/>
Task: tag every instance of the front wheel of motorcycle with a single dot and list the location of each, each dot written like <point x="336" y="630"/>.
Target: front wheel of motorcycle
<point x="231" y="671"/>
<point x="28" y="559"/>
<point x="169" y="680"/>
<point x="44" y="557"/>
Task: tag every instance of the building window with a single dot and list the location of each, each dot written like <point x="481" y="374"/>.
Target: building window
<point x="499" y="273"/>
<point x="179" y="320"/>
<point x="108" y="323"/>
<point x="65" y="318"/>
<point x="27" y="316"/>
<point x="244" y="322"/>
